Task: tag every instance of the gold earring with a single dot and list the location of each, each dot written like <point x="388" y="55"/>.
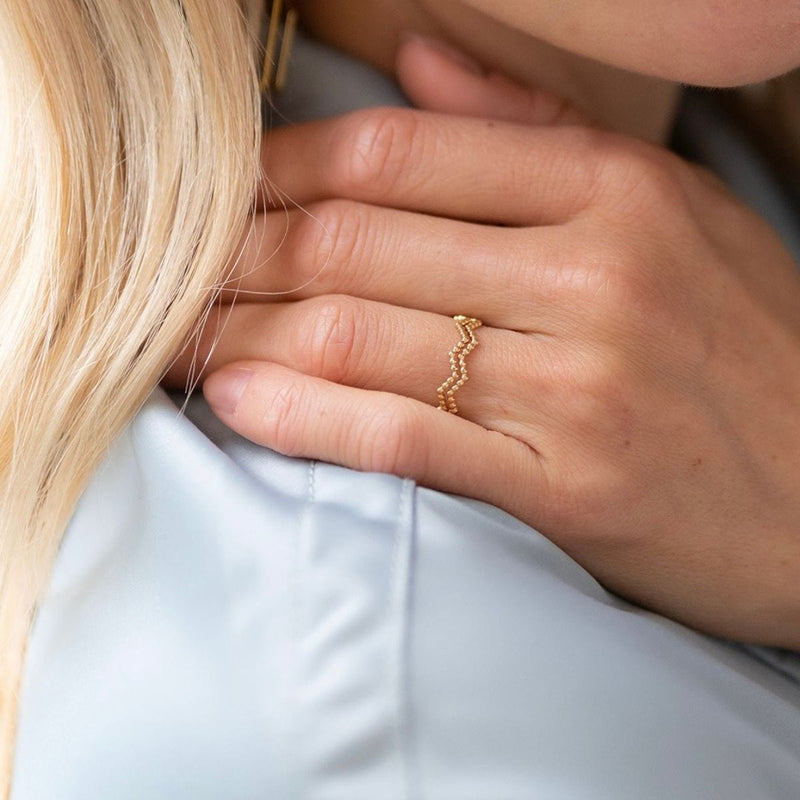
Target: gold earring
<point x="281" y="28"/>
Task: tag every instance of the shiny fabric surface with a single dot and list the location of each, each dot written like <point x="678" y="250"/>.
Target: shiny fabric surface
<point x="265" y="627"/>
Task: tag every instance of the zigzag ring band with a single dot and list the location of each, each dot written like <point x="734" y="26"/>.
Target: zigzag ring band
<point x="458" y="363"/>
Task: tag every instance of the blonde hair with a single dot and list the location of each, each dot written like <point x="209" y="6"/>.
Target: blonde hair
<point x="129" y="136"/>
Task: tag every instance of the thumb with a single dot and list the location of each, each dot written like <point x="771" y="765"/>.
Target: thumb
<point x="437" y="77"/>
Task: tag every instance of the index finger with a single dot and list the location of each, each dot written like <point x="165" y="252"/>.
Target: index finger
<point x="460" y="167"/>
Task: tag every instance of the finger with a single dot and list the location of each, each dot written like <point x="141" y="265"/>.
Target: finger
<point x="458" y="167"/>
<point x="376" y="346"/>
<point x="402" y="258"/>
<point x="438" y="78"/>
<point x="374" y="431"/>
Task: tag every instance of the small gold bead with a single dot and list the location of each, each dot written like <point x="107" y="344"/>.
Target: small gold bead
<point x="458" y="362"/>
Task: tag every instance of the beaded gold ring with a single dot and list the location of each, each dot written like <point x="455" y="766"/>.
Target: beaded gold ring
<point x="458" y="363"/>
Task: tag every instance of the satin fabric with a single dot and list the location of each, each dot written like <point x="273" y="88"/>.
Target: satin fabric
<point x="227" y="622"/>
<point x="258" y="626"/>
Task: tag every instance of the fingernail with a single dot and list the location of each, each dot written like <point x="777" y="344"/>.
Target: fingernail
<point x="447" y="50"/>
<point x="224" y="389"/>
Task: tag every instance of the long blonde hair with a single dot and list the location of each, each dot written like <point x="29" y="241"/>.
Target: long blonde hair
<point x="129" y="138"/>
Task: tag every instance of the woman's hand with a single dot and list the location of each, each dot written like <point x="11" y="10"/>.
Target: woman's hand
<point x="636" y="391"/>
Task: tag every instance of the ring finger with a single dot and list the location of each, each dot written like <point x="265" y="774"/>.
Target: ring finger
<point x="376" y="346"/>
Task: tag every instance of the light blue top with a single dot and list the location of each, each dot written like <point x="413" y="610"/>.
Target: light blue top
<point x="225" y="622"/>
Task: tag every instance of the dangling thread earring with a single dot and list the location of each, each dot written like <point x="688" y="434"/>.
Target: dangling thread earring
<point x="281" y="28"/>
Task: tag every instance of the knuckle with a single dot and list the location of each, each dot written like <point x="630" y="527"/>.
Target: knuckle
<point x="597" y="393"/>
<point x="391" y="442"/>
<point x="618" y="283"/>
<point x="279" y="419"/>
<point x="592" y="148"/>
<point x="604" y="390"/>
<point x="600" y="285"/>
<point x="583" y="392"/>
<point x="309" y="248"/>
<point x="373" y="150"/>
<point x="601" y="408"/>
<point x="328" y="344"/>
<point x="326" y="240"/>
<point x="643" y="178"/>
<point x="621" y="285"/>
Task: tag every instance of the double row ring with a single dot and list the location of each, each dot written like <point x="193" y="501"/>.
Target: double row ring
<point x="458" y="363"/>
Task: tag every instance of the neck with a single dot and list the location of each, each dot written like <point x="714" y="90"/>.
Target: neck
<point x="371" y="29"/>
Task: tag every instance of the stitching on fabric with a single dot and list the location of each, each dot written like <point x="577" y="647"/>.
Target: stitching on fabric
<point x="304" y="522"/>
<point x="297" y="773"/>
<point x="399" y="656"/>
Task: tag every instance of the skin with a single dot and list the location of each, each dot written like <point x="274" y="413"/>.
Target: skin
<point x="636" y="386"/>
<point x="707" y="42"/>
<point x="640" y="105"/>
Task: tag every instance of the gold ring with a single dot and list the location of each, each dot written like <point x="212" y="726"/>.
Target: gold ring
<point x="458" y="363"/>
